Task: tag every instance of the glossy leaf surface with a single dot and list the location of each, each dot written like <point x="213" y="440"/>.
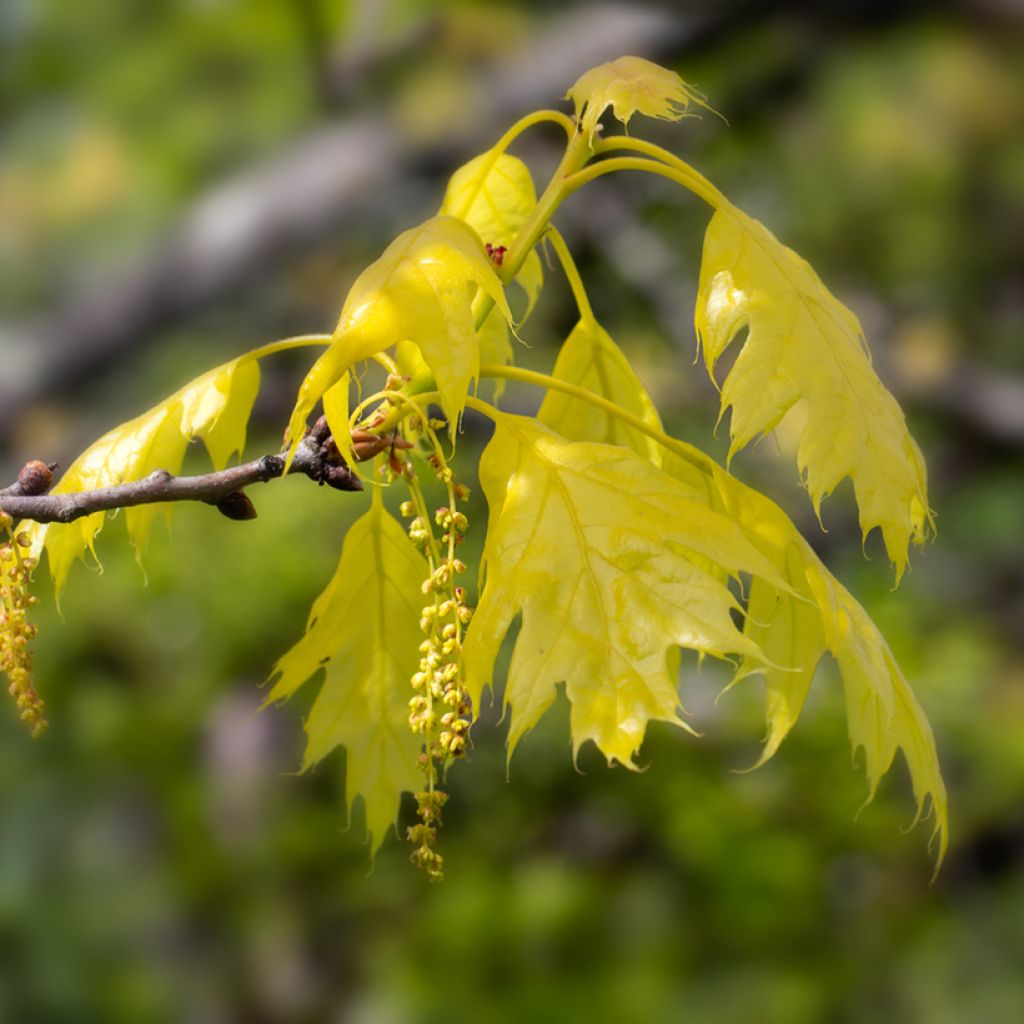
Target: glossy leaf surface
<point x="805" y="346"/>
<point x="420" y="290"/>
<point x="494" y="194"/>
<point x="214" y="407"/>
<point x="792" y="628"/>
<point x="605" y="557"/>
<point x="363" y="632"/>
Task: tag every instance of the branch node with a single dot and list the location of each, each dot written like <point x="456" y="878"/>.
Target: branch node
<point x="270" y="467"/>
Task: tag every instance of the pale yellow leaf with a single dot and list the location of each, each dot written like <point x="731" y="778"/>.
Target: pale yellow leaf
<point x="215" y="407"/>
<point x="804" y="345"/>
<point x="631" y="85"/>
<point x="817" y="615"/>
<point x="792" y="628"/>
<point x="420" y="290"/>
<point x="494" y="194"/>
<point x="364" y="632"/>
<point x="603" y="555"/>
<point x="591" y="359"/>
<point x="336" y="410"/>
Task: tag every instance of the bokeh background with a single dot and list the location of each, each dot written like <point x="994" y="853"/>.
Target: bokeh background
<point x="180" y="181"/>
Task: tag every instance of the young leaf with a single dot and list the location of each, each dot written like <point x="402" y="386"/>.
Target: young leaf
<point x="804" y="345"/>
<point x="494" y="194"/>
<point x="215" y="407"/>
<point x="590" y="359"/>
<point x="792" y="628"/>
<point x="795" y="628"/>
<point x="631" y="85"/>
<point x="604" y="555"/>
<point x="336" y="410"/>
<point x="420" y="290"/>
<point x="363" y="630"/>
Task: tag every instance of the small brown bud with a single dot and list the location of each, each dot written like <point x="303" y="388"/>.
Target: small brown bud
<point x="236" y="505"/>
<point x="341" y="478"/>
<point x="35" y="478"/>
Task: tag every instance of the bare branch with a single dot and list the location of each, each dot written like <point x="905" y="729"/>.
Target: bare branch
<point x="224" y="489"/>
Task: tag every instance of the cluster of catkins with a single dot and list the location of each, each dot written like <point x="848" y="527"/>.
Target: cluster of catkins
<point x="16" y="632"/>
<point x="439" y="710"/>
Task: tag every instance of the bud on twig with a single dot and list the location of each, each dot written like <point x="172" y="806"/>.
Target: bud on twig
<point x="35" y="477"/>
<point x="236" y="505"/>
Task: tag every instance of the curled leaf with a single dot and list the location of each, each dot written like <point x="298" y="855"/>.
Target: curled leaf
<point x="804" y="345"/>
<point x="494" y="194"/>
<point x="420" y="290"/>
<point x="631" y="85"/>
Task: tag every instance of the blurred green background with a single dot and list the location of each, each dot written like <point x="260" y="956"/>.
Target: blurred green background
<point x="180" y="181"/>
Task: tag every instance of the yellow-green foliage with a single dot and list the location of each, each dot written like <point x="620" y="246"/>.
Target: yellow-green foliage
<point x="615" y="544"/>
<point x="805" y="346"/>
<point x="214" y="407"/>
<point x="793" y="627"/>
<point x="365" y="624"/>
<point x="607" y="558"/>
<point x="420" y="290"/>
<point x="631" y="85"/>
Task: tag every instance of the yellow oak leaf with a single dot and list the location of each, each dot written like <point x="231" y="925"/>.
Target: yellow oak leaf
<point x="364" y="632"/>
<point x="805" y="346"/>
<point x="215" y="407"/>
<point x="420" y="290"/>
<point x="793" y="629"/>
<point x="631" y="85"/>
<point x="883" y="715"/>
<point x="604" y="556"/>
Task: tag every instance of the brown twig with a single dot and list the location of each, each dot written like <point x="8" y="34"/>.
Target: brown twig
<point x="224" y="489"/>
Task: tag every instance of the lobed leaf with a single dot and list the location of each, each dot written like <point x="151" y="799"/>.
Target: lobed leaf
<point x="215" y="407"/>
<point x="420" y="290"/>
<point x="363" y="631"/>
<point x="631" y="85"/>
<point x="820" y="615"/>
<point x="792" y="628"/>
<point x="805" y="345"/>
<point x="605" y="557"/>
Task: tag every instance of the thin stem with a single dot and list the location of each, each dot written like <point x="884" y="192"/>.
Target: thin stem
<point x="542" y="380"/>
<point x="618" y="142"/>
<point x="296" y="341"/>
<point x="694" y="182"/>
<point x="308" y="341"/>
<point x="537" y="117"/>
<point x="577" y="153"/>
<point x="572" y="274"/>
